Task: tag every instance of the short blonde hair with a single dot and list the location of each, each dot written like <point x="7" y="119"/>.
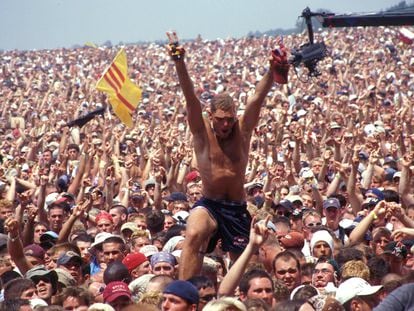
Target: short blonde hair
<point x="4" y="203"/>
<point x="151" y="298"/>
<point x="223" y="303"/>
<point x="139" y="234"/>
<point x="355" y="268"/>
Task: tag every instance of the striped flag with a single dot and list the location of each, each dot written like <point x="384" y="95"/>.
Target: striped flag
<point x="123" y="94"/>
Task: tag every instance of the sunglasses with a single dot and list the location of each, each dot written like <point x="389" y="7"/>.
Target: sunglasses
<point x="311" y="225"/>
<point x="37" y="279"/>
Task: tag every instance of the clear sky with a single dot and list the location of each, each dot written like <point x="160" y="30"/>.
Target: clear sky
<point x="45" y="24"/>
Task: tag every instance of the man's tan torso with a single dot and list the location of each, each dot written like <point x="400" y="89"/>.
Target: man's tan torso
<point x="222" y="163"/>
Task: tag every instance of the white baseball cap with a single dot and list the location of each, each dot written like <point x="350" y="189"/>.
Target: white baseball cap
<point x="354" y="287"/>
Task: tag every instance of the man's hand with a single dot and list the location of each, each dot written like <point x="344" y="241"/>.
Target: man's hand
<point x="160" y="174"/>
<point x="82" y="208"/>
<point x="402" y="233"/>
<point x="12" y="227"/>
<point x="176" y="51"/>
<point x="259" y="232"/>
<point x="32" y="211"/>
<point x="395" y="209"/>
<point x="279" y="64"/>
<point x="406" y="160"/>
<point x="380" y="210"/>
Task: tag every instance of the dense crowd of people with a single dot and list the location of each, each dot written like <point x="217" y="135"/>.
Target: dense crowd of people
<point x="93" y="214"/>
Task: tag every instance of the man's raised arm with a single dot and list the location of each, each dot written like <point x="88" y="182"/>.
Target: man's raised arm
<point x="278" y="71"/>
<point x="177" y="53"/>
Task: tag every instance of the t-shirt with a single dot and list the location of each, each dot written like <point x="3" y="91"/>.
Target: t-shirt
<point x="401" y="299"/>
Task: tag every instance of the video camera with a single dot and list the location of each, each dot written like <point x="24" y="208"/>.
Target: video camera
<point x="310" y="53"/>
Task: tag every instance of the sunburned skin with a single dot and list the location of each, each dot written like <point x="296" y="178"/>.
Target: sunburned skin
<point x="222" y="163"/>
<point x="221" y="145"/>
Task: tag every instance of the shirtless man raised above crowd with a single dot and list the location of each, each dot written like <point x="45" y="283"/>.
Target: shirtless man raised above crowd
<point x="221" y="144"/>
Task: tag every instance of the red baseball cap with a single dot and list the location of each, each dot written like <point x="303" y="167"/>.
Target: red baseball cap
<point x="115" y="290"/>
<point x="293" y="239"/>
<point x="133" y="260"/>
<point x="192" y="176"/>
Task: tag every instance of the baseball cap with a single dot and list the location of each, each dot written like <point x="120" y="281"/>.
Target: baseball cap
<point x="68" y="256"/>
<point x="68" y="196"/>
<point x="270" y="225"/>
<point x="172" y="243"/>
<point x="293" y="198"/>
<point x="139" y="285"/>
<point x="254" y="186"/>
<point x="335" y="125"/>
<point x="40" y="271"/>
<point x="133" y="260"/>
<point x="48" y="235"/>
<point x="397" y="174"/>
<point x="389" y="173"/>
<point x="369" y="202"/>
<point x="115" y="290"/>
<point x="176" y="196"/>
<point x="184" y="290"/>
<point x="149" y="182"/>
<point x="129" y="226"/>
<point x="332" y="202"/>
<point x="48" y="239"/>
<point x="293" y="239"/>
<point x="354" y="287"/>
<point x="51" y="198"/>
<point x="148" y="250"/>
<point x="306" y="172"/>
<point x="181" y="216"/>
<point x="37" y="303"/>
<point x="284" y="203"/>
<point x="100" y="238"/>
<point x="65" y="278"/>
<point x="375" y="191"/>
<point x="34" y="250"/>
<point x="192" y="176"/>
<point x="389" y="159"/>
<point x="25" y="167"/>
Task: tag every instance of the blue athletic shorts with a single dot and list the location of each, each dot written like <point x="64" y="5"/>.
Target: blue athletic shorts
<point x="233" y="224"/>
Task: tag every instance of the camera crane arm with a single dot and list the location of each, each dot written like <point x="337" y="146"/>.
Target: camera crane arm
<point x="370" y="19"/>
<point x="311" y="53"/>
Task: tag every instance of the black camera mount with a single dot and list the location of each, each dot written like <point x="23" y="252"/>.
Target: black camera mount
<point x="309" y="54"/>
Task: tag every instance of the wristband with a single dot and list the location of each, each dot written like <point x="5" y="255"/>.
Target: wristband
<point x="13" y="239"/>
<point x="374" y="216"/>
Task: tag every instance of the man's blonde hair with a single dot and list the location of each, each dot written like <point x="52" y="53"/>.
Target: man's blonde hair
<point x="355" y="268"/>
<point x="225" y="303"/>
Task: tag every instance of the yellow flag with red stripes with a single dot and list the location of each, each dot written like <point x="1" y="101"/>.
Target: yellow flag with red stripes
<point x="123" y="94"/>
